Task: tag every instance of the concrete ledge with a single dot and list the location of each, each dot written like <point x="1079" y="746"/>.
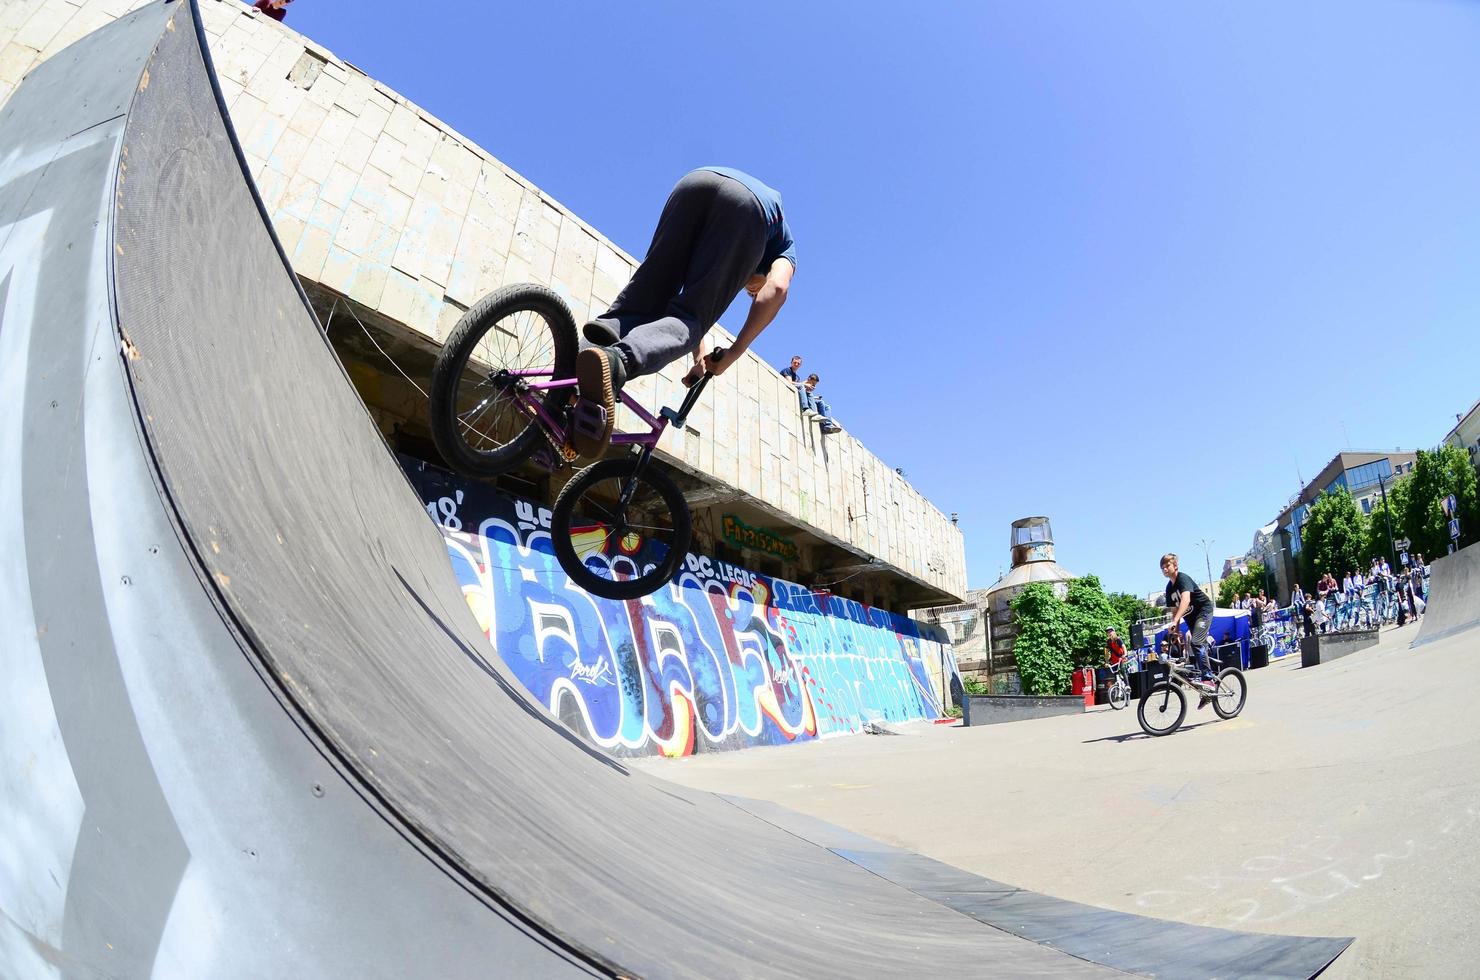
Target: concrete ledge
<point x="1325" y="647"/>
<point x="994" y="709"/>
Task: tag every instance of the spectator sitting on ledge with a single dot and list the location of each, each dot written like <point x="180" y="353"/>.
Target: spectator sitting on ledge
<point x="812" y="402"/>
<point x="276" y="9"/>
<point x="790" y="373"/>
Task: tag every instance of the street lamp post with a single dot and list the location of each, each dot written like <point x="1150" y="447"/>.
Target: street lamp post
<point x="1208" y="564"/>
<point x="1388" y="515"/>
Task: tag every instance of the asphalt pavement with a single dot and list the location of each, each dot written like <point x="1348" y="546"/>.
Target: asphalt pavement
<point x="1344" y="800"/>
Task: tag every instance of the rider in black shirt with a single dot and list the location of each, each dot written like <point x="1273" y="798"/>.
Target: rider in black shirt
<point x="1186" y="601"/>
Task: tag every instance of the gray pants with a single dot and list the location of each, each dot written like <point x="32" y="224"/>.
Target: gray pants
<point x="710" y="239"/>
<point x="1198" y="634"/>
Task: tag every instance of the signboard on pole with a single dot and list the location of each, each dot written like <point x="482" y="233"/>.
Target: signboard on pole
<point x="1404" y="559"/>
<point x="1450" y="504"/>
<point x="1454" y="526"/>
<point x="1403" y="544"/>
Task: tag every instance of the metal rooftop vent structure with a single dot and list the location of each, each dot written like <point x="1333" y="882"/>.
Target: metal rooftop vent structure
<point x="1032" y="561"/>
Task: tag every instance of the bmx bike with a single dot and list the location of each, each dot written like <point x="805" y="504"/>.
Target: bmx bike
<point x="1119" y="691"/>
<point x="504" y="392"/>
<point x="1164" y="705"/>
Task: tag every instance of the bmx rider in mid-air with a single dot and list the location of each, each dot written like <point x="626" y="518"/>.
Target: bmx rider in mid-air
<point x="1187" y="601"/>
<point x="720" y="231"/>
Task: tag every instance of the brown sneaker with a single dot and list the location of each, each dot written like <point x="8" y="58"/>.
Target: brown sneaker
<point x="595" y="367"/>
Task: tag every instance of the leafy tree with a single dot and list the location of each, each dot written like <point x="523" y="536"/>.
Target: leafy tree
<point x="1236" y="584"/>
<point x="1334" y="537"/>
<point x="1057" y="636"/>
<point x="1090" y="613"/>
<point x="1378" y="543"/>
<point x="1131" y="608"/>
<point x="1043" y="641"/>
<point x="1436" y="474"/>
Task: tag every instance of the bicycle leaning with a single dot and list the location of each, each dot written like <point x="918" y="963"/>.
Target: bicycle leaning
<point x="1163" y="707"/>
<point x="504" y="391"/>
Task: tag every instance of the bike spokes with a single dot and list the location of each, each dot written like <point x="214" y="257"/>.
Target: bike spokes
<point x="618" y="540"/>
<point x="490" y="401"/>
<point x="620" y="529"/>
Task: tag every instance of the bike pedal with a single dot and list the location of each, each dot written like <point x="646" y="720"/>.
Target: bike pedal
<point x="588" y="419"/>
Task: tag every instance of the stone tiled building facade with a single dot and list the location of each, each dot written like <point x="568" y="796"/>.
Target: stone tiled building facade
<point x="395" y="221"/>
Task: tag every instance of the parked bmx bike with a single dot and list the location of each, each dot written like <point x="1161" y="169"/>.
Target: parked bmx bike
<point x="1163" y="707"/>
<point x="504" y="391"/>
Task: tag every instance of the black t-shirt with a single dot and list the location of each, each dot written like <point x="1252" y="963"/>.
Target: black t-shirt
<point x="1200" y="605"/>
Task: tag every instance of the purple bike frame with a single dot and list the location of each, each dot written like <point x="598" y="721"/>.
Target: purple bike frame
<point x="558" y="431"/>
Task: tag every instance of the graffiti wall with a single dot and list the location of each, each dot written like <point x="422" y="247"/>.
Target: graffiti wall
<point x="722" y="658"/>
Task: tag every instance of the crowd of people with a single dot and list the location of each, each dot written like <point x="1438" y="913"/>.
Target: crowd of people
<point x="813" y="407"/>
<point x="1379" y="592"/>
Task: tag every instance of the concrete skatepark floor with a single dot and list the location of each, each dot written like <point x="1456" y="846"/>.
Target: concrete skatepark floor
<point x="1345" y="800"/>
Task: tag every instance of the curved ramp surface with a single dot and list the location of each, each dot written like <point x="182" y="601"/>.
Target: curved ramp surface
<point x="239" y="738"/>
<point x="1454" y="596"/>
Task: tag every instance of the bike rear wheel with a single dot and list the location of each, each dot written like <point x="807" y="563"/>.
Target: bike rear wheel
<point x="1162" y="709"/>
<point x="1232" y="691"/>
<point x="619" y="550"/>
<point x="479" y="422"/>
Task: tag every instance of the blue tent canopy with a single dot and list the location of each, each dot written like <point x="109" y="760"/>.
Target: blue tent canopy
<point x="1229" y="626"/>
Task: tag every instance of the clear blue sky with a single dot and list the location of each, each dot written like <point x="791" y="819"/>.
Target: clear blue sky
<point x="1131" y="265"/>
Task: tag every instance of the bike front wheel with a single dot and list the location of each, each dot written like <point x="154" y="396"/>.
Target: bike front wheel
<point x="1120" y="694"/>
<point x="479" y="407"/>
<point x="1162" y="709"/>
<point x="618" y="532"/>
<point x="1232" y="691"/>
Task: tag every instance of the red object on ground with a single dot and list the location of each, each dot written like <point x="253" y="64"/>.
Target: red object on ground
<point x="1083" y="682"/>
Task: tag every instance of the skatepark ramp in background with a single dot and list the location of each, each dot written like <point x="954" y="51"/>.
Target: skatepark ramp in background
<point x="241" y="735"/>
<point x="1454" y="596"/>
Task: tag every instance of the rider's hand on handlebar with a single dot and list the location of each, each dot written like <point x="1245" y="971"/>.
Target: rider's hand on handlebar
<point x="714" y="364"/>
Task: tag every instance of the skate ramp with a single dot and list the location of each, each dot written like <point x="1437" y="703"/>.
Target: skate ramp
<point x="1454" y="596"/>
<point x="243" y="736"/>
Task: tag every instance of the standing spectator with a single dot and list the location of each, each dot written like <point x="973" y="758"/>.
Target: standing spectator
<point x="1256" y="613"/>
<point x="1318" y="617"/>
<point x="276" y="9"/>
<point x="1297" y="606"/>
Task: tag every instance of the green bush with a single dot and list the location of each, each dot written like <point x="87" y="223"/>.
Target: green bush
<point x="1044" y="640"/>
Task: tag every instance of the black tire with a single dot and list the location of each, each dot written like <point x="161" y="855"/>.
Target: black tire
<point x="1120" y="694"/>
<point x="500" y="435"/>
<point x="1232" y="691"/>
<point x="1162" y="709"/>
<point x="663" y="514"/>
